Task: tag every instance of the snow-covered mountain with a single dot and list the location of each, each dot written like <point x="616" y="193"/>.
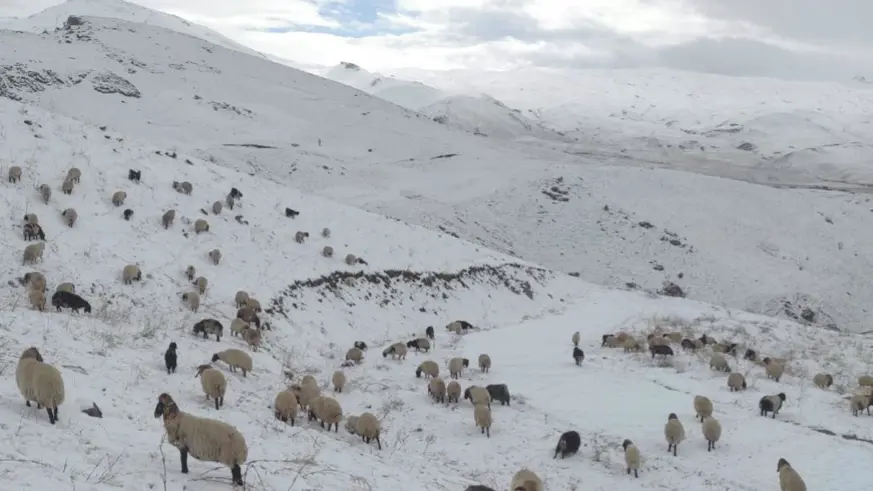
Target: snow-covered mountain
<point x="610" y="218"/>
<point x="479" y="114"/>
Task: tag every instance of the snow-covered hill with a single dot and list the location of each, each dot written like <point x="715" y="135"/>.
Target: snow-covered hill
<point x="524" y="317"/>
<point x="479" y="114"/>
<point x="612" y="219"/>
<point x="55" y="17"/>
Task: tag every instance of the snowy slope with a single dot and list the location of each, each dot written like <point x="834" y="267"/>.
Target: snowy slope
<point x="55" y="16"/>
<point x="480" y="114"/>
<point x="750" y="247"/>
<point x="113" y="356"/>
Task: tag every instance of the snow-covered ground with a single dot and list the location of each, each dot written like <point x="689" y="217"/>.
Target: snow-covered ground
<point x="775" y="251"/>
<point x="524" y="316"/>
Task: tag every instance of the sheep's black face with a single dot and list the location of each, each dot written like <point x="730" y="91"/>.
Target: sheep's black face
<point x="159" y="409"/>
<point x="214" y="358"/>
<point x="87" y="308"/>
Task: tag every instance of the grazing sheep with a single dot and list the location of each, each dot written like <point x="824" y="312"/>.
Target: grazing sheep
<point x="235" y="359"/>
<point x="568" y="444"/>
<point x="498" y="392"/>
<point x="688" y="345"/>
<point x="458" y="326"/>
<point x="207" y="327"/>
<point x="576" y="338"/>
<point x="329" y="411"/>
<point x="368" y="427"/>
<point x="171" y="358"/>
<point x="241" y="299"/>
<point x="134" y="175"/>
<point x="300" y="237"/>
<point x="660" y="349"/>
<point x="453" y="392"/>
<point x="608" y="340"/>
<point x="771" y="404"/>
<point x="252" y="337"/>
<point x="306" y="394"/>
<point x="428" y="332"/>
<point x="183" y="187"/>
<point x="711" y="431"/>
<point x="131" y="273"/>
<point x="420" y="344"/>
<point x="67" y="187"/>
<point x="736" y="382"/>
<point x="631" y="457"/>
<point x="248" y="315"/>
<point x="859" y="402"/>
<point x="37" y="300"/>
<point x="14" y="173"/>
<point x="70" y="216"/>
<point x="216" y="207"/>
<point x="477" y="395"/>
<point x="46" y="192"/>
<point x="74" y="174"/>
<point x="865" y="381"/>
<point x="190" y="271"/>
<point x="355" y="355"/>
<point x="823" y="380"/>
<point x="35" y="281"/>
<point x="396" y="350"/>
<point x="118" y="198"/>
<point x="630" y="344"/>
<point x="719" y="363"/>
<point x="352" y="424"/>
<point x="484" y="362"/>
<point x="789" y="479"/>
<point x="767" y="360"/>
<point x="66" y="287"/>
<point x="339" y="381"/>
<point x="325" y="232"/>
<point x="351" y="259"/>
<point x="327" y="251"/>
<point x="200" y="226"/>
<point x="774" y="371"/>
<point x="70" y="300"/>
<point x="207" y="440"/>
<point x="291" y="213"/>
<point x="702" y="406"/>
<point x="214" y="384"/>
<point x="674" y="337"/>
<point x="201" y="283"/>
<point x="456" y="366"/>
<point x="674" y="432"/>
<point x="33" y="231"/>
<point x="285" y="406"/>
<point x="168" y="218"/>
<point x="482" y="416"/>
<point x="127" y="214"/>
<point x="237" y="326"/>
<point x="525" y="480"/>
<point x="360" y="345"/>
<point x="578" y="355"/>
<point x="30" y="218"/>
<point x="253" y="304"/>
<point x="215" y="256"/>
<point x="40" y="382"/>
<point x="429" y="368"/>
<point x="33" y="252"/>
<point x="437" y="389"/>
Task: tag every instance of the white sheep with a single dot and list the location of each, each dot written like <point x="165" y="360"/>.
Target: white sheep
<point x="14" y="173"/>
<point x="482" y="416"/>
<point x="74" y="174"/>
<point x="719" y="363"/>
<point x="70" y="216"/>
<point x="368" y="427"/>
<point x="118" y="198"/>
<point x="327" y="251"/>
<point x="168" y="218"/>
<point x="215" y="256"/>
<point x="352" y="424"/>
<point x="46" y="192"/>
<point x="213" y="383"/>
<point x="702" y="406"/>
<point x="201" y="283"/>
<point x="40" y="382"/>
<point x="339" y="381"/>
<point x="576" y="338"/>
<point x="241" y="299"/>
<point x="235" y="359"/>
<point x="33" y="252"/>
<point x="453" y="392"/>
<point x="711" y="431"/>
<point x="674" y="432"/>
<point x="131" y="273"/>
<point x="355" y="355"/>
<point x="823" y="380"/>
<point x="526" y="480"/>
<point x="429" y="368"/>
<point x="484" y="362"/>
<point x="301" y="237"/>
<point x="200" y="226"/>
<point x="736" y="382"/>
<point x="456" y="366"/>
<point x="37" y="300"/>
<point x="396" y="350"/>
<point x="237" y="326"/>
<point x="253" y="304"/>
<point x="789" y="479"/>
<point x="774" y="370"/>
<point x="631" y="457"/>
<point x="859" y="402"/>
<point x="67" y="186"/>
<point x="329" y="411"/>
<point x="207" y="440"/>
<point x="35" y="281"/>
<point x="437" y="389"/>
<point x="478" y="395"/>
<point x="285" y="406"/>
<point x="66" y="287"/>
<point x="252" y="337"/>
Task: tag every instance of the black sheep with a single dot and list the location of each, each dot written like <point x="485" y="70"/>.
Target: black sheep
<point x="568" y="444"/>
<point x="429" y="332"/>
<point x="766" y="405"/>
<point x="71" y="300"/>
<point x="134" y="175"/>
<point x="499" y="392"/>
<point x="478" y="487"/>
<point x="578" y="355"/>
<point x="170" y="358"/>
<point x="661" y="349"/>
<point x="750" y="355"/>
<point x="688" y="344"/>
<point x="128" y="213"/>
<point x="361" y="345"/>
<point x="290" y="213"/>
<point x="209" y="326"/>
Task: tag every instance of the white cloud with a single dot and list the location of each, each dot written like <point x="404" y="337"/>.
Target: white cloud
<point x="793" y="38"/>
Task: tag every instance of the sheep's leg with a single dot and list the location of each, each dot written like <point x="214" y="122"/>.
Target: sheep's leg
<point x="217" y="405"/>
<point x="27" y="403"/>
<point x="183" y="457"/>
<point x="488" y="432"/>
<point x="51" y="415"/>
<point x="669" y="447"/>
<point x="636" y="474"/>
<point x="236" y="475"/>
<point x="675" y="448"/>
<point x="378" y="443"/>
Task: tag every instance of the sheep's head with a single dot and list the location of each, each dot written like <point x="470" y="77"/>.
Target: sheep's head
<point x="672" y="416"/>
<point x="201" y="369"/>
<point x="626" y="444"/>
<point x="781" y="395"/>
<point x="32" y="352"/>
<point x="782" y="463"/>
<point x="166" y="406"/>
<point x="215" y="358"/>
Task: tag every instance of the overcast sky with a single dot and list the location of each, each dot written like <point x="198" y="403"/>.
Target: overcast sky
<point x="805" y="39"/>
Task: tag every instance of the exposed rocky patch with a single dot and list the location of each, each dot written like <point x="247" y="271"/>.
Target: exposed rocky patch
<point x="223" y="106"/>
<point x="110" y="83"/>
<point x="385" y="284"/>
<point x="19" y="78"/>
